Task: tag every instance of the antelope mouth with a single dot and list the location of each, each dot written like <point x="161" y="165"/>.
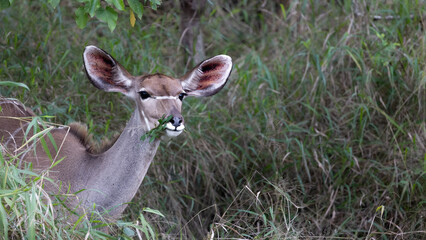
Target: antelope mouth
<point x="173" y="131"/>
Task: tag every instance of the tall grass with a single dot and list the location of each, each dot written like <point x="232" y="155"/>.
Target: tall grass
<point x="320" y="133"/>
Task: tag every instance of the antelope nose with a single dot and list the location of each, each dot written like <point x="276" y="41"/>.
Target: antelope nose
<point x="176" y="121"/>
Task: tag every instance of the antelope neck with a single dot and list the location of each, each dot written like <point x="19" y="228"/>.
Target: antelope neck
<point x="122" y="168"/>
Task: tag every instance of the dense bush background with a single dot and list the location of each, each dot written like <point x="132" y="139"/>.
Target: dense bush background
<point x="320" y="131"/>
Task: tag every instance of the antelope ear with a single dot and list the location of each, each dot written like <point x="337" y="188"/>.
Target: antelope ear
<point x="208" y="77"/>
<point x="104" y="72"/>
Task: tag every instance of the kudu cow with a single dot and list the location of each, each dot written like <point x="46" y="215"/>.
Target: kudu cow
<point x="110" y="178"/>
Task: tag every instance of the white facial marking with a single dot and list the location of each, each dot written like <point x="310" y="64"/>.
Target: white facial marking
<point x="146" y="120"/>
<point x="180" y="128"/>
<point x="159" y="97"/>
<point x="173" y="133"/>
<point x="164" y="97"/>
<point x="169" y="126"/>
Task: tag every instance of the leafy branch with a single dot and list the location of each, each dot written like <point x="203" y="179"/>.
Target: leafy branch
<point x="104" y="10"/>
<point x="158" y="130"/>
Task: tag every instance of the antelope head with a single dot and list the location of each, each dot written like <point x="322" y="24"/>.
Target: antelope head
<point x="157" y="95"/>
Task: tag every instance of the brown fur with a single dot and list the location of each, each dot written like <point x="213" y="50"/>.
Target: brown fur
<point x="12" y="105"/>
<point x="80" y="131"/>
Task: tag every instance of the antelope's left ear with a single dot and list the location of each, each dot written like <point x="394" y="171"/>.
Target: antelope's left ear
<point x="208" y="77"/>
<point x="104" y="72"/>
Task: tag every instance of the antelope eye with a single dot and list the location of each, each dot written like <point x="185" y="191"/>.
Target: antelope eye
<point x="182" y="95"/>
<point x="144" y="95"/>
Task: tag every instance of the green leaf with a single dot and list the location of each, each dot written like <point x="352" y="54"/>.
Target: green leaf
<point x="81" y="17"/>
<point x="54" y="3"/>
<point x="46" y="148"/>
<point x="150" y="210"/>
<point x="4" y="4"/>
<point x="31" y="205"/>
<point x="146" y="228"/>
<point x="129" y="232"/>
<point x="158" y="130"/>
<point x="3" y="221"/>
<point x="137" y="7"/>
<point x="93" y="6"/>
<point x="57" y="162"/>
<point x="118" y="4"/>
<point x="283" y="11"/>
<point x="155" y="4"/>
<point x="13" y="84"/>
<point x="35" y="136"/>
<point x="78" y="221"/>
<point x="108" y="15"/>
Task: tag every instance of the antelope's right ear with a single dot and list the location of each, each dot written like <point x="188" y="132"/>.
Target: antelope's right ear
<point x="104" y="72"/>
<point x="208" y="77"/>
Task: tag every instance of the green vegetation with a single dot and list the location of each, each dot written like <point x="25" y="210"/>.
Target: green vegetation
<point x="158" y="131"/>
<point x="320" y="132"/>
<point x="105" y="11"/>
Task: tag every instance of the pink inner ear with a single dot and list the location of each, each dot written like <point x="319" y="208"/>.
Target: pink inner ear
<point x="212" y="74"/>
<point x="208" y="77"/>
<point x="211" y="66"/>
<point x="207" y="80"/>
<point x="103" y="71"/>
<point x="101" y="67"/>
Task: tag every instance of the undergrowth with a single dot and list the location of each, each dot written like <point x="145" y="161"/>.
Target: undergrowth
<point x="320" y="132"/>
